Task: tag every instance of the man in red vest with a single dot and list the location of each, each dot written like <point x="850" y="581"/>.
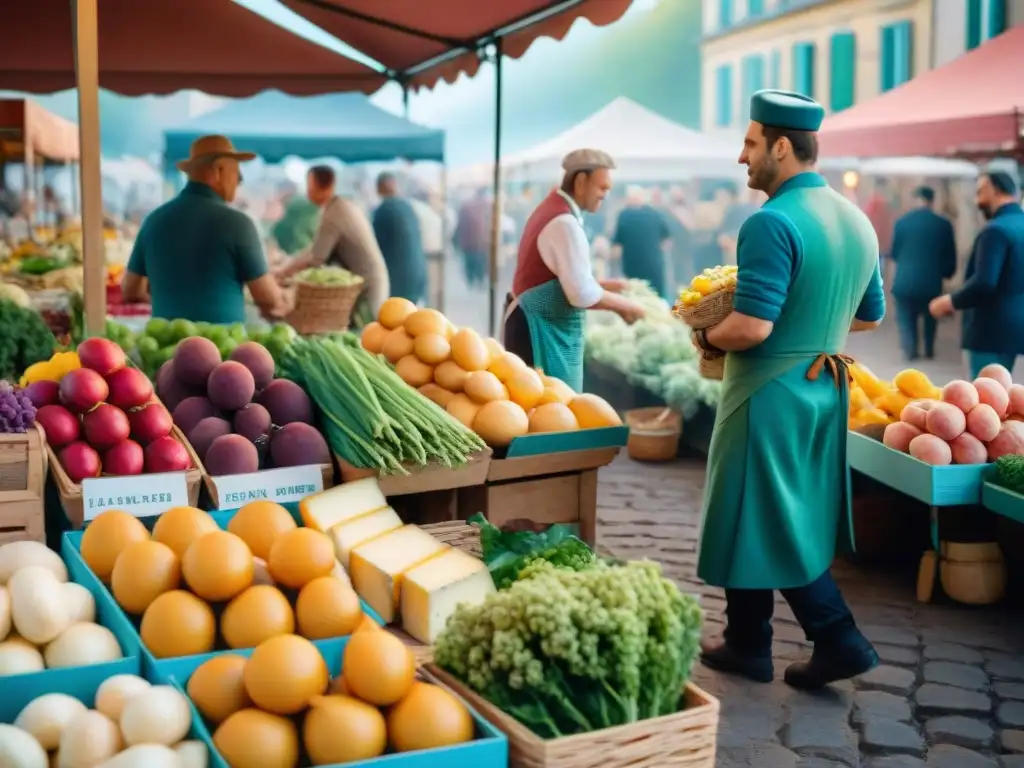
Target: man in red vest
<point x="554" y="283"/>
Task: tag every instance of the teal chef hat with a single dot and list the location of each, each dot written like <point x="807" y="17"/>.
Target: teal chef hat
<point x="786" y="109"/>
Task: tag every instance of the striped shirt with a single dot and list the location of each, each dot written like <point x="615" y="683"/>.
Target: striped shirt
<point x="345" y="239"/>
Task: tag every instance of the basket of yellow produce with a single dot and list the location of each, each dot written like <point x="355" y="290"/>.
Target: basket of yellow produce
<point x="708" y="299"/>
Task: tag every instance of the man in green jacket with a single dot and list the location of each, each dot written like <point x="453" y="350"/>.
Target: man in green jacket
<point x="777" y="496"/>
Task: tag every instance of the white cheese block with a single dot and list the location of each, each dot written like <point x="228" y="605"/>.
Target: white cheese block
<point x="377" y="566"/>
<point x="350" y="535"/>
<point x="348" y="501"/>
<point x="433" y="590"/>
<point x="341" y="574"/>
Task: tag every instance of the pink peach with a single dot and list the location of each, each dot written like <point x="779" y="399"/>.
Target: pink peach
<point x="1016" y="392"/>
<point x="967" y="449"/>
<point x="993" y="393"/>
<point x="946" y="421"/>
<point x="916" y="413"/>
<point x="983" y="422"/>
<point x="899" y="434"/>
<point x="960" y="393"/>
<point x="1009" y="441"/>
<point x="998" y="373"/>
<point x="931" y="450"/>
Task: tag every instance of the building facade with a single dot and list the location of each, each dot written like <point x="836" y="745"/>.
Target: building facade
<point x="840" y="52"/>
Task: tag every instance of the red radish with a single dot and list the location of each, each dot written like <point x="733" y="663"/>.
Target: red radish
<point x="899" y="434"/>
<point x="60" y="425"/>
<point x="129" y="388"/>
<point x="983" y="422"/>
<point x="165" y="454"/>
<point x="946" y="421"/>
<point x="83" y="389"/>
<point x="105" y="426"/>
<point x="125" y="458"/>
<point x="960" y="393"/>
<point x="967" y="449"/>
<point x="994" y="393"/>
<point x="150" y="422"/>
<point x="42" y="393"/>
<point x="931" y="450"/>
<point x="101" y="355"/>
<point x="916" y="413"/>
<point x="998" y="373"/>
<point x="80" y="461"/>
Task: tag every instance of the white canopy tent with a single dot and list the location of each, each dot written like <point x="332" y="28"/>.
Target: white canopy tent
<point x="646" y="147"/>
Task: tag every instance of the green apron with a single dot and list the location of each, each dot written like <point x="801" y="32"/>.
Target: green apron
<point x="777" y="499"/>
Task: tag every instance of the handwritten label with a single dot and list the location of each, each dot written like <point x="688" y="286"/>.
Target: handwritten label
<point x="278" y="485"/>
<point x="139" y="495"/>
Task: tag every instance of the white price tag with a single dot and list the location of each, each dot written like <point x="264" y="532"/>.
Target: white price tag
<point x="139" y="495"/>
<point x="283" y="485"/>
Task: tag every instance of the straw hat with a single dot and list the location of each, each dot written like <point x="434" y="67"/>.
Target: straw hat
<point x="206" y="149"/>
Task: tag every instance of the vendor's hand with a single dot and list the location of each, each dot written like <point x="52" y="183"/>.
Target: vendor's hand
<point x="615" y="284"/>
<point x="941" y="307"/>
<point x="632" y="312"/>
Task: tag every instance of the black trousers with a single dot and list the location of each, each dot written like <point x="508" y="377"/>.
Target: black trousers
<point x="517" y="333"/>
<point x="819" y="607"/>
<point x="908" y="313"/>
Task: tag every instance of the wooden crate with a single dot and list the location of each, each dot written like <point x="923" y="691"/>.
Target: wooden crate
<point x="71" y="492"/>
<point x="686" y="739"/>
<point x="23" y="463"/>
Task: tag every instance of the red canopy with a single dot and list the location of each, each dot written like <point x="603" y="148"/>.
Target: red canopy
<point x="971" y="106"/>
<point x="146" y="46"/>
<point x="429" y="40"/>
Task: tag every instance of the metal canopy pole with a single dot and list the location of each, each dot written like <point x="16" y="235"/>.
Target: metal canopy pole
<point x="492" y="295"/>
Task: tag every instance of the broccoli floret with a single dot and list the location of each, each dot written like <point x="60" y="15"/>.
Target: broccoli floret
<point x="1010" y="472"/>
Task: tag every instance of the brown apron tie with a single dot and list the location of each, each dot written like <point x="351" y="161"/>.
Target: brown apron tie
<point x="838" y="365"/>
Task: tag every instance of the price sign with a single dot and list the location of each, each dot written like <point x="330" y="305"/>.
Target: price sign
<point x="283" y="485"/>
<point x="139" y="495"/>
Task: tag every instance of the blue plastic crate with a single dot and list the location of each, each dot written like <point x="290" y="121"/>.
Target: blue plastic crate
<point x="489" y="749"/>
<point x="1002" y="501"/>
<point x="561" y="442"/>
<point x="152" y="666"/>
<point x="81" y="682"/>
<point x="937" y="486"/>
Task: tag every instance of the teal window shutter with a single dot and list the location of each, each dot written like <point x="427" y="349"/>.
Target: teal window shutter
<point x="903" y="52"/>
<point x="973" y="26"/>
<point x="723" y="96"/>
<point x="803" y="68"/>
<point x="843" y="69"/>
<point x="775" y="70"/>
<point x="753" y="81"/>
<point x="885" y="67"/>
<point x="996" y="18"/>
<point x="755" y="8"/>
<point x="724" y="14"/>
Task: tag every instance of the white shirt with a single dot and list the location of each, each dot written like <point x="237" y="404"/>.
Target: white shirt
<point x="565" y="251"/>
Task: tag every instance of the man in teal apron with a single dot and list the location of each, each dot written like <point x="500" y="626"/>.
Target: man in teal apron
<point x="554" y="283"/>
<point x="777" y="497"/>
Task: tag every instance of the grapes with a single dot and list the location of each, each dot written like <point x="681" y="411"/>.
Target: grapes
<point x="17" y="414"/>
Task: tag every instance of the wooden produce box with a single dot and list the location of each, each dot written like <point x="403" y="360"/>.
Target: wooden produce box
<point x="23" y="465"/>
<point x="547" y="479"/>
<point x="686" y="739"/>
<point x="71" y="492"/>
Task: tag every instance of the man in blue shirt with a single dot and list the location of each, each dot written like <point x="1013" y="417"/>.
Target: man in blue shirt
<point x="641" y="233"/>
<point x="398" y="234"/>
<point x="197" y="253"/>
<point x="992" y="296"/>
<point x="924" y="253"/>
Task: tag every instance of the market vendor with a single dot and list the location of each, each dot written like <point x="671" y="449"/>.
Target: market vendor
<point x="554" y="283"/>
<point x="992" y="296"/>
<point x="778" y="485"/>
<point x="195" y="255"/>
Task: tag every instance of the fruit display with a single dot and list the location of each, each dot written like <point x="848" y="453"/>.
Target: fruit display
<point x="24" y="340"/>
<point x="236" y="415"/>
<point x="193" y="588"/>
<point x="709" y="281"/>
<point x="969" y="423"/>
<point x="488" y="389"/>
<point x="102" y="418"/>
<point x="46" y="621"/>
<point x="17" y="411"/>
<point x="401" y="571"/>
<point x="874" y="401"/>
<point x="280" y="703"/>
<point x="131" y="723"/>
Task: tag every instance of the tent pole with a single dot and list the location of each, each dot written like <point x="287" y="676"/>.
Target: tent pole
<point x="492" y="296"/>
<point x="405" y="101"/>
<point x="87" y="72"/>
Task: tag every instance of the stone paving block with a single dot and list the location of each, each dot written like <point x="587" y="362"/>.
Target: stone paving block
<point x="890" y="737"/>
<point x="952" y="652"/>
<point x="960" y="731"/>
<point x="764" y="756"/>
<point x="1006" y="690"/>
<point x="948" y="756"/>
<point x="934" y="698"/>
<point x="889" y="678"/>
<point x="1011" y="714"/>
<point x="955" y="674"/>
<point x="896" y="654"/>
<point x="871" y="705"/>
<point x="819" y="727"/>
<point x="894" y="761"/>
<point x="1012" y="741"/>
<point x="1005" y="667"/>
<point x="1011" y="761"/>
<point x="891" y="635"/>
<point x="820" y="762"/>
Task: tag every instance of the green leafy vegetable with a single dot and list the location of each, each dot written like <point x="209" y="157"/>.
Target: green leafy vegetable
<point x="508" y="553"/>
<point x="569" y="652"/>
<point x="328" y="276"/>
<point x="1010" y="473"/>
<point x="24" y="339"/>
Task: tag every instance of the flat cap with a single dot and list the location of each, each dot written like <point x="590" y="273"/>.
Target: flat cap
<point x="586" y="160"/>
<point x="786" y="109"/>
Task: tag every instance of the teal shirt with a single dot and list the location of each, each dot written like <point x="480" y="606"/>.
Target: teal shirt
<point x="640" y="232"/>
<point x="398" y="234"/>
<point x="198" y="253"/>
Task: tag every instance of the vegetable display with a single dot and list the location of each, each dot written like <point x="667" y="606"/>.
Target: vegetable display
<point x="508" y="553"/>
<point x="17" y="412"/>
<point x="371" y="417"/>
<point x="1010" y="472"/>
<point x="569" y="652"/>
<point x="24" y="340"/>
<point x="969" y="423"/>
<point x="54" y="619"/>
<point x="327" y="276"/>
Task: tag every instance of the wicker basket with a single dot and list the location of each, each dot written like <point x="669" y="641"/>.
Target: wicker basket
<point x="653" y="433"/>
<point x="23" y="466"/>
<point x="323" y="308"/>
<point x="709" y="311"/>
<point x="686" y="739"/>
<point x="712" y="366"/>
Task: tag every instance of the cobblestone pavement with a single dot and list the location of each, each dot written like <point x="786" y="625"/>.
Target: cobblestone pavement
<point x="949" y="693"/>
